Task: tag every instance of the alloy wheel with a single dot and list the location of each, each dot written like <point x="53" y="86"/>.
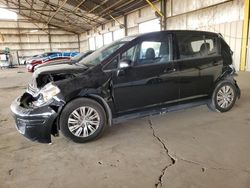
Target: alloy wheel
<point x="83" y="121"/>
<point x="225" y="96"/>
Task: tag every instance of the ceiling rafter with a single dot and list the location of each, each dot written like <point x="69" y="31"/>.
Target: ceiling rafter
<point x="42" y="20"/>
<point x="74" y="16"/>
<point x="31" y="6"/>
<point x="59" y="8"/>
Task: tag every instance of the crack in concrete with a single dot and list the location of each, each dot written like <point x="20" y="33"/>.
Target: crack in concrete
<point x="175" y="158"/>
<point x="159" y="182"/>
<point x="10" y="171"/>
<point x="204" y="167"/>
<point x="3" y="120"/>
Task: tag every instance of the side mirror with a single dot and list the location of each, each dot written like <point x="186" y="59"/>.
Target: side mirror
<point x="122" y="66"/>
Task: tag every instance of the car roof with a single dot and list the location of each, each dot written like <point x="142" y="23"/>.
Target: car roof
<point x="178" y="31"/>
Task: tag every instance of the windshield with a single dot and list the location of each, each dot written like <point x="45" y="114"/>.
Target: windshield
<point x="104" y="52"/>
<point x="77" y="57"/>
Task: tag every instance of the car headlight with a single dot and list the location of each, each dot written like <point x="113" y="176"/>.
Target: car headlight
<point x="46" y="93"/>
<point x="49" y="91"/>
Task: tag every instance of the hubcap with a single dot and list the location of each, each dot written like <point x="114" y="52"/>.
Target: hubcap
<point x="225" y="96"/>
<point x="83" y="121"/>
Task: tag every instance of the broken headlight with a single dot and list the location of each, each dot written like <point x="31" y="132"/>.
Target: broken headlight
<point x="46" y="93"/>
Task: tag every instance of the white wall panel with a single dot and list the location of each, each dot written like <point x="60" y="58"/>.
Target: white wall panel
<point x="232" y="33"/>
<point x="133" y="30"/>
<point x="30" y="43"/>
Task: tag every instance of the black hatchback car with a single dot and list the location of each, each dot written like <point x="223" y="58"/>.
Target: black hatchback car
<point x="133" y="77"/>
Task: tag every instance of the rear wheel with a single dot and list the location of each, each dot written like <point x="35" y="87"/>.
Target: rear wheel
<point x="224" y="97"/>
<point x="82" y="120"/>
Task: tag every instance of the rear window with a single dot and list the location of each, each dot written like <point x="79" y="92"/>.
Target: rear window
<point x="196" y="46"/>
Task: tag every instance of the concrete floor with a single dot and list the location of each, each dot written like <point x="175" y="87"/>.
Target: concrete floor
<point x="189" y="148"/>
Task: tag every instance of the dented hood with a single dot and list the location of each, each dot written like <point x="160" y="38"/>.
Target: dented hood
<point x="54" y="62"/>
<point x="56" y="72"/>
<point x="60" y="67"/>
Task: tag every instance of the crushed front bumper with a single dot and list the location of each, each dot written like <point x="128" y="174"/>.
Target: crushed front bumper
<point x="34" y="123"/>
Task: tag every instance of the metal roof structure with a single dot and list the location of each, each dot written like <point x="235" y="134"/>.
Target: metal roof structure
<point x="76" y="16"/>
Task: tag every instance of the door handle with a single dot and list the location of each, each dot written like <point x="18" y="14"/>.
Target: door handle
<point x="169" y="70"/>
<point x="215" y="63"/>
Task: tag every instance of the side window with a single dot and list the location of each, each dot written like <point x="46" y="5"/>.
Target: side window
<point x="126" y="55"/>
<point x="112" y="65"/>
<point x="151" y="52"/>
<point x="196" y="46"/>
<point x="129" y="54"/>
<point x="213" y="45"/>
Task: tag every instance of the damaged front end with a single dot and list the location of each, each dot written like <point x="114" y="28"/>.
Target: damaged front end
<point x="35" y="112"/>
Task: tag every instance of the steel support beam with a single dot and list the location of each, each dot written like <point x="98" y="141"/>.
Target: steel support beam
<point x="164" y="18"/>
<point x="19" y="41"/>
<point x="155" y="8"/>
<point x="19" y="37"/>
<point x="126" y="25"/>
<point x="244" y="44"/>
<point x="59" y="8"/>
<point x="49" y="36"/>
<point x="79" y="42"/>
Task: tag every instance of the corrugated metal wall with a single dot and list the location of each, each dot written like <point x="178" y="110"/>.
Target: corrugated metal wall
<point x="221" y="16"/>
<point x="225" y="18"/>
<point x="232" y="33"/>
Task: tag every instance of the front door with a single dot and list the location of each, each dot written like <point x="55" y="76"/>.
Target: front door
<point x="153" y="77"/>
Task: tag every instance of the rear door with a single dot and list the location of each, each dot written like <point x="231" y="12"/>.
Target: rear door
<point x="199" y="62"/>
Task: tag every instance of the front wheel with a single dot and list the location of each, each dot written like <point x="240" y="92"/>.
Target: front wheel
<point x="224" y="97"/>
<point x="82" y="120"/>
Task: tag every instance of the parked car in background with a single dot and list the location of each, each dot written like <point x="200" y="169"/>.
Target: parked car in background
<point x="27" y="60"/>
<point x="74" y="59"/>
<point x="49" y="57"/>
<point x="81" y="55"/>
<point x="133" y="77"/>
<point x="34" y="57"/>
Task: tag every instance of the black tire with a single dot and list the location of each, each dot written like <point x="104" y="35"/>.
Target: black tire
<point x="67" y="113"/>
<point x="213" y="103"/>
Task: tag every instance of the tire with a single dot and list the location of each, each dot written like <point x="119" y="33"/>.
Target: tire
<point x="74" y="125"/>
<point x="224" y="97"/>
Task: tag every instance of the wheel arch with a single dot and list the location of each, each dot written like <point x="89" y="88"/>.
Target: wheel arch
<point x="96" y="98"/>
<point x="227" y="75"/>
<point x="104" y="104"/>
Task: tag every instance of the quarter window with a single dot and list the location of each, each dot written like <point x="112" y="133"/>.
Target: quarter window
<point x="129" y="54"/>
<point x="112" y="65"/>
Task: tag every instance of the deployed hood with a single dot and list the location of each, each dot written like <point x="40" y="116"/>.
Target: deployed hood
<point x="56" y="71"/>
